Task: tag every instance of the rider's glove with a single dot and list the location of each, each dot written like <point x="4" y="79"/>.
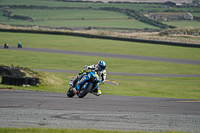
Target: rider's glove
<point x="86" y="68"/>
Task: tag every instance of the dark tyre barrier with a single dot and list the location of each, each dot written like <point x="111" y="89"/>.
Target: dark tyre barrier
<point x="4" y="70"/>
<point x="12" y="71"/>
<point x="13" y="76"/>
<point x="19" y="81"/>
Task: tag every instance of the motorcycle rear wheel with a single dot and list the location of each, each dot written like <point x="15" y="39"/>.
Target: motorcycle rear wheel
<point x="70" y="93"/>
<point x="83" y="93"/>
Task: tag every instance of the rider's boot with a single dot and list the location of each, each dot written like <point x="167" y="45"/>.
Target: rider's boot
<point x="97" y="92"/>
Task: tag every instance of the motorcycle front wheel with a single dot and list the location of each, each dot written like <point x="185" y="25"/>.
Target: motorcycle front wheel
<point x="83" y="92"/>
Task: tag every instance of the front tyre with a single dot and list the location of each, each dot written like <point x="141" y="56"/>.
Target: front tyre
<point x="84" y="92"/>
<point x="70" y="93"/>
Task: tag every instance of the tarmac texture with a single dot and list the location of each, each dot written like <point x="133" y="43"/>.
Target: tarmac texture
<point x="55" y="110"/>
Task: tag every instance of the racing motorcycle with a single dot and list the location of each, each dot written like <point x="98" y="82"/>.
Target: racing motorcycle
<point x="6" y="46"/>
<point x="86" y="84"/>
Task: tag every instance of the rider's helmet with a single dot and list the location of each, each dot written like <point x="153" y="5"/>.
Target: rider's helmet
<point x="102" y="65"/>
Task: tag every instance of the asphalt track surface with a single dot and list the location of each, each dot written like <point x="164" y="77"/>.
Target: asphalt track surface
<point x="55" y="110"/>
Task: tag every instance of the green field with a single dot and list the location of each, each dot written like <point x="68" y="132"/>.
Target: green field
<point x="46" y="17"/>
<point x="40" y="14"/>
<point x="128" y="85"/>
<point x="3" y="18"/>
<point x="181" y="24"/>
<point x="50" y="3"/>
<point x="196" y="14"/>
<point x="87" y="23"/>
<point x="76" y="18"/>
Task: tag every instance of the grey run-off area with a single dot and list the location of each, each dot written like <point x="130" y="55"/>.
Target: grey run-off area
<point x="55" y="110"/>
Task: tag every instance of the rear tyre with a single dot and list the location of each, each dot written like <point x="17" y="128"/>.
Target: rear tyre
<point x="83" y="92"/>
<point x="70" y="93"/>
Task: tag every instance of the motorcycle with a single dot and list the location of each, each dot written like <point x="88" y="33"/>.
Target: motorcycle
<point x="19" y="45"/>
<point x="86" y="84"/>
<point x="6" y="46"/>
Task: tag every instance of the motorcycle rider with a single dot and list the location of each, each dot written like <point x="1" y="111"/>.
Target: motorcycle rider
<point x="19" y="45"/>
<point x="6" y="45"/>
<point x="100" y="69"/>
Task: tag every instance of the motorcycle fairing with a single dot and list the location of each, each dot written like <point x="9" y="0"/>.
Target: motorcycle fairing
<point x="88" y="77"/>
<point x="81" y="81"/>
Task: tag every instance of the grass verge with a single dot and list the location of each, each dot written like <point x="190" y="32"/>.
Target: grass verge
<point x="97" y="45"/>
<point x="128" y="85"/>
<point x="36" y="60"/>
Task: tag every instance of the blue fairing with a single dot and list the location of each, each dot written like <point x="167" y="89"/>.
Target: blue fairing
<point x="87" y="79"/>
